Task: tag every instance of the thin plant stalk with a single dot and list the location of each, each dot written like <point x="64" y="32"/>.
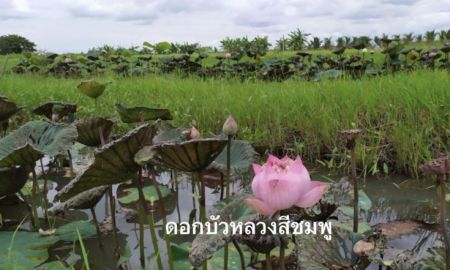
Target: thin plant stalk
<point x="282" y="263"/>
<point x="355" y="192"/>
<point x="164" y="218"/>
<point x="33" y="200"/>
<point x="241" y="254"/>
<point x="83" y="251"/>
<point x="97" y="227"/>
<point x="268" y="261"/>
<point x="150" y="220"/>
<point x="202" y="204"/>
<point x="225" y="255"/>
<point x="71" y="163"/>
<point x="442" y="216"/>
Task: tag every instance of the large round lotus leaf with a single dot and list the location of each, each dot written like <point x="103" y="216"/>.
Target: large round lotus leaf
<point x="92" y="88"/>
<point x="84" y="200"/>
<point x="114" y="163"/>
<point x="242" y="157"/>
<point x="68" y="232"/>
<point x="61" y="108"/>
<point x="131" y="194"/>
<point x="35" y="139"/>
<point x="168" y="133"/>
<point x="28" y="249"/>
<point x="188" y="156"/>
<point x="12" y="179"/>
<point x="91" y="129"/>
<point x="7" y="108"/>
<point x="139" y="114"/>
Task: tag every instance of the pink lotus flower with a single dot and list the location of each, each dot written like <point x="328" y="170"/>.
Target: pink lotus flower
<point x="280" y="184"/>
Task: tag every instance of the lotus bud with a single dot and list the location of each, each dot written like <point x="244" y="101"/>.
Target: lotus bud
<point x="230" y="127"/>
<point x="194" y="133"/>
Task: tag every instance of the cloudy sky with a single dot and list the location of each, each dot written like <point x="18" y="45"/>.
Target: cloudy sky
<point x="77" y="25"/>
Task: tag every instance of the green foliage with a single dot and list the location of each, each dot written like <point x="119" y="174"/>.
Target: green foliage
<point x="15" y="44"/>
<point x="131" y="195"/>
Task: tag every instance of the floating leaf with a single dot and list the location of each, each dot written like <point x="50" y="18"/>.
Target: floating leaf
<point x="84" y="200"/>
<point x="35" y="139"/>
<point x="242" y="157"/>
<point x="364" y="201"/>
<point x="92" y="88"/>
<point x="7" y="108"/>
<point x="61" y="108"/>
<point x="131" y="194"/>
<point x="91" y="129"/>
<point x="68" y="232"/>
<point x="188" y="156"/>
<point x="114" y="163"/>
<point x="12" y="179"/>
<point x="140" y="114"/>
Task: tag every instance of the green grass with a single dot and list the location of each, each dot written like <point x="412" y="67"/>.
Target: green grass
<point x="406" y="117"/>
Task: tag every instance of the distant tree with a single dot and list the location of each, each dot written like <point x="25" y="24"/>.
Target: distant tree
<point x="448" y="34"/>
<point x="282" y="44"/>
<point x="430" y="36"/>
<point x="377" y="40"/>
<point x="297" y="39"/>
<point x="408" y="38"/>
<point x="15" y="44"/>
<point x="234" y="44"/>
<point x="340" y="42"/>
<point x="315" y="43"/>
<point x="419" y="38"/>
<point x="348" y="41"/>
<point x="188" y="47"/>
<point x="174" y="48"/>
<point x="259" y="45"/>
<point x="327" y="43"/>
<point x="442" y="35"/>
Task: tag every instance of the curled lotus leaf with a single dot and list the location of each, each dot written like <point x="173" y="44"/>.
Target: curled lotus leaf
<point x="140" y="114"/>
<point x="91" y="129"/>
<point x="168" y="133"/>
<point x="13" y="179"/>
<point x="92" y="88"/>
<point x="7" y="108"/>
<point x="33" y="140"/>
<point x="189" y="156"/>
<point x="61" y="108"/>
<point x="84" y="200"/>
<point x="242" y="157"/>
<point x="114" y="162"/>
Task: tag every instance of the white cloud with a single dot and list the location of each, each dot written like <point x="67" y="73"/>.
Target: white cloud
<point x="75" y="25"/>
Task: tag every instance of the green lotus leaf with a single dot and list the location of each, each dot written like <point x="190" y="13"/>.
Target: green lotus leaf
<point x="28" y="249"/>
<point x="84" y="200"/>
<point x="168" y="133"/>
<point x="140" y="114"/>
<point x="242" y="157"/>
<point x="91" y="129"/>
<point x="13" y="179"/>
<point x="131" y="194"/>
<point x="33" y="140"/>
<point x="55" y="265"/>
<point x="28" y="187"/>
<point x="7" y="108"/>
<point x="114" y="163"/>
<point x="92" y="88"/>
<point x="68" y="232"/>
<point x="61" y="108"/>
<point x="189" y="156"/>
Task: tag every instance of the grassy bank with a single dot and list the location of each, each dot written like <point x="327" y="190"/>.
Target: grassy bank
<point x="406" y="117"/>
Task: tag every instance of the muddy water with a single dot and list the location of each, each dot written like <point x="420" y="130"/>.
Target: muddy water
<point x="393" y="191"/>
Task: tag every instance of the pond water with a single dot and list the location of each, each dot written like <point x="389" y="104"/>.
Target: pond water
<point x="396" y="192"/>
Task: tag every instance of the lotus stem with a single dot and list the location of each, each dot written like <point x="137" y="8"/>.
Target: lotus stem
<point x="443" y="190"/>
<point x="268" y="261"/>
<point x="71" y="163"/>
<point x="97" y="227"/>
<point x="241" y="254"/>
<point x="225" y="255"/>
<point x="112" y="203"/>
<point x="221" y="186"/>
<point x="202" y="205"/>
<point x="164" y="218"/>
<point x="27" y="204"/>
<point x="141" y="238"/>
<point x="355" y="192"/>
<point x="282" y="264"/>
<point x="33" y="200"/>
<point x="151" y="223"/>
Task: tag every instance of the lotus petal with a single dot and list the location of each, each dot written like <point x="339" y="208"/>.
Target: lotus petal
<point x="7" y="108"/>
<point x="12" y="179"/>
<point x="63" y="109"/>
<point x="84" y="200"/>
<point x="189" y="156"/>
<point x="114" y="163"/>
<point x="35" y="139"/>
<point x="139" y="114"/>
<point x="91" y="129"/>
<point x="92" y="88"/>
